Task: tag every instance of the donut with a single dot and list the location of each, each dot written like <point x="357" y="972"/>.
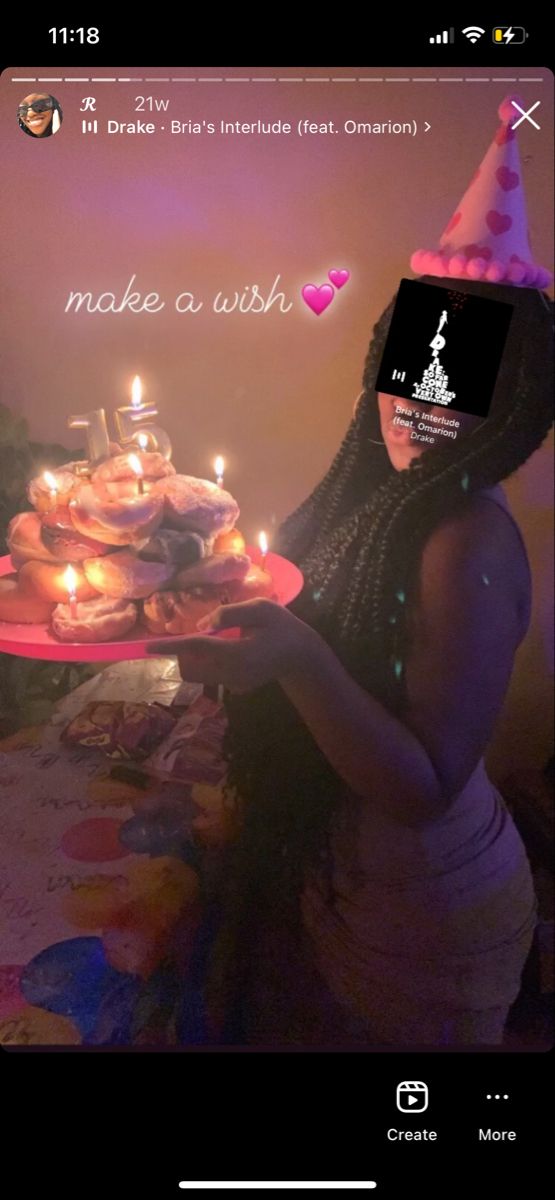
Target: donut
<point x="112" y="470"/>
<point x="256" y="583"/>
<point x="80" y="467"/>
<point x="178" y="612"/>
<point x="46" y="580"/>
<point x="181" y="549"/>
<point x="39" y="490"/>
<point x="124" y="574"/>
<point x="219" y="568"/>
<point x="25" y="541"/>
<point x="232" y="543"/>
<point x="196" y="504"/>
<point x="63" y="540"/>
<point x="115" y="520"/>
<point x="83" y="467"/>
<point x="19" y="607"/>
<point x="100" y="620"/>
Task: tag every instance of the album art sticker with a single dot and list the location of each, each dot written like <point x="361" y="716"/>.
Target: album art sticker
<point x="444" y="348"/>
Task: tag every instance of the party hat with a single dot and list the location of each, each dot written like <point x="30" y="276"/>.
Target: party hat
<point x="487" y="237"/>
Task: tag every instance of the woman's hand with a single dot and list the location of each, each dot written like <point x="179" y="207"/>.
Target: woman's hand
<point x="273" y="645"/>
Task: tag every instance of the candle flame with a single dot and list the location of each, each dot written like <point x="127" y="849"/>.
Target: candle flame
<point x="50" y="481"/>
<point x="70" y="580"/>
<point x="136" y="392"/>
<point x="135" y="464"/>
<point x="219" y="465"/>
<point x="142" y="439"/>
<point x="263" y="542"/>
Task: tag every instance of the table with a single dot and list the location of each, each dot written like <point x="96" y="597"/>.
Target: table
<point x="102" y="933"/>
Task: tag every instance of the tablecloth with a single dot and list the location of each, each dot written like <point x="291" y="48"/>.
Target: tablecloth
<point x="104" y="924"/>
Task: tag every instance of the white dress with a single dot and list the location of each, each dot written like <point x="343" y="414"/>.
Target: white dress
<point x="427" y="940"/>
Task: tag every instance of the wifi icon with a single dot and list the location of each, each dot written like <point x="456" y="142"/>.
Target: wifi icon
<point x="473" y="32"/>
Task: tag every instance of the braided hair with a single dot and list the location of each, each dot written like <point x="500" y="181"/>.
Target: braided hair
<point x="359" y="538"/>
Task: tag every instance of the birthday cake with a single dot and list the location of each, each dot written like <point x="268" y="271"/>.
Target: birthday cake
<point x="125" y="542"/>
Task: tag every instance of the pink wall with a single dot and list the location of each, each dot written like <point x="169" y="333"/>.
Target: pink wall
<point x="272" y="392"/>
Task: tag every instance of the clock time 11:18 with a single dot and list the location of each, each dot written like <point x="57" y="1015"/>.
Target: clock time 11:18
<point x="70" y="35"/>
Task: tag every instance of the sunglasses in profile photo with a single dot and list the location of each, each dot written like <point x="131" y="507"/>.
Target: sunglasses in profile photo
<point x="39" y="115"/>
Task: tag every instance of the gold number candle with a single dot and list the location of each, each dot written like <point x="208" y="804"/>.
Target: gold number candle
<point x="128" y="416"/>
<point x="94" y="423"/>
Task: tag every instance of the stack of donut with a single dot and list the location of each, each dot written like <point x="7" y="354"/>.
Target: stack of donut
<point x="163" y="553"/>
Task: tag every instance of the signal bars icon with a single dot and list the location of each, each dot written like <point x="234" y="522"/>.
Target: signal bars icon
<point x="438" y="39"/>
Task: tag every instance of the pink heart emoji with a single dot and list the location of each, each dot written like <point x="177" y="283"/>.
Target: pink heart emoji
<point x="317" y="298"/>
<point x="339" y="277"/>
<point x="498" y="222"/>
<point x="478" y="252"/>
<point x="507" y="179"/>
<point x="452" y="223"/>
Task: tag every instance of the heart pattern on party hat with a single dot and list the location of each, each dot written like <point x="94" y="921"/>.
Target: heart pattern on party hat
<point x="452" y="224"/>
<point x="498" y="222"/>
<point x="507" y="179"/>
<point x="487" y="236"/>
<point x="475" y="251"/>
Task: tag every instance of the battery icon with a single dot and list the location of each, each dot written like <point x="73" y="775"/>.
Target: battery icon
<point x="504" y="35"/>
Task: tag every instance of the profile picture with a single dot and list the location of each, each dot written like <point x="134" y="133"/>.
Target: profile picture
<point x="39" y="115"/>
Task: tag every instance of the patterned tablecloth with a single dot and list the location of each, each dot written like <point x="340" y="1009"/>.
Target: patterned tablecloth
<point x="103" y="920"/>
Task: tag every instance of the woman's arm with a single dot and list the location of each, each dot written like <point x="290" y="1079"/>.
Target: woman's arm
<point x="468" y="619"/>
<point x="471" y="614"/>
<point x="378" y="756"/>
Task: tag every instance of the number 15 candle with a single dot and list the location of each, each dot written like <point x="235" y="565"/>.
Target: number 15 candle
<point x="94" y="423"/>
<point x="129" y="416"/>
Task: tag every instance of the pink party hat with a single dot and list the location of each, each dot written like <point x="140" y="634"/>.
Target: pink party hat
<point x="487" y="236"/>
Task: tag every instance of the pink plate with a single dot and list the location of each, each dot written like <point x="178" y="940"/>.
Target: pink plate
<point x="35" y="641"/>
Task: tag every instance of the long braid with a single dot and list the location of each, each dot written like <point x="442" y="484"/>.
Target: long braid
<point x="358" y="539"/>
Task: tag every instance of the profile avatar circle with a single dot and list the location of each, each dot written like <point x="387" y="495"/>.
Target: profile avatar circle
<point x="39" y="115"/>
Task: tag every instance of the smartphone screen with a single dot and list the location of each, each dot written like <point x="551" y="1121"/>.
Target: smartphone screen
<point x="276" y="606"/>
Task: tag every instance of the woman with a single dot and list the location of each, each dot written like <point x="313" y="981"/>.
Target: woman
<point x="381" y="895"/>
<point x="39" y="115"/>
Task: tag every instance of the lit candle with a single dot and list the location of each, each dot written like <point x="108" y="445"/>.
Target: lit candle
<point x="128" y="415"/>
<point x="51" y="489"/>
<point x="98" y="442"/>
<point x="70" y="582"/>
<point x="219" y="469"/>
<point x="135" y="465"/>
<point x="52" y="486"/>
<point x="137" y="392"/>
<point x="263" y="543"/>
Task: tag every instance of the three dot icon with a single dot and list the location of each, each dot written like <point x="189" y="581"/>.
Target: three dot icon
<point x="497" y="1097"/>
